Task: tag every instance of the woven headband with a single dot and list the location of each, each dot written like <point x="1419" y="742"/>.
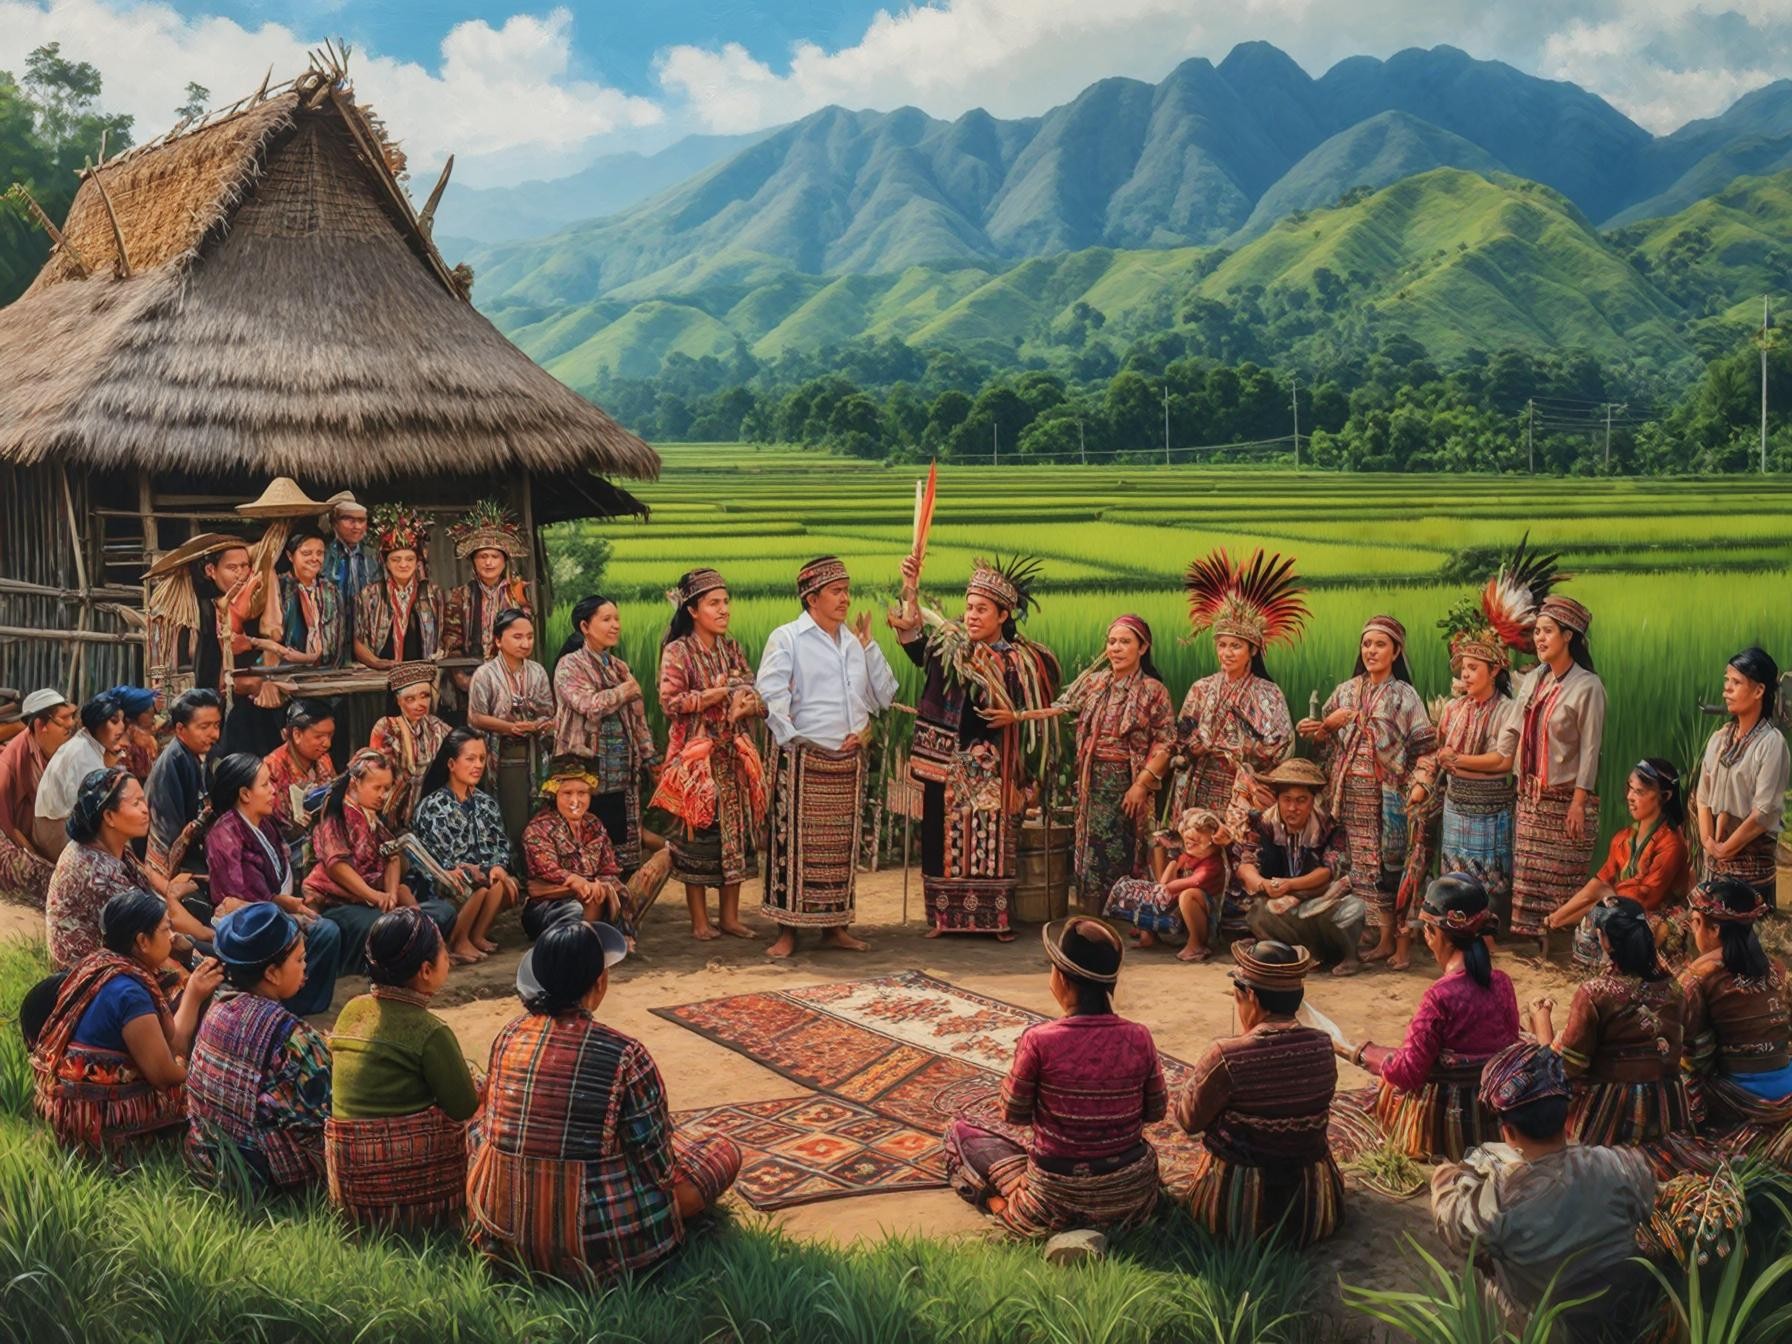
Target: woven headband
<point x="1273" y="976"/>
<point x="1388" y="626"/>
<point x="1061" y="959"/>
<point x="1459" y="921"/>
<point x="1705" y="901"/>
<point x="813" y="577"/>
<point x="694" y="585"/>
<point x="1565" y="611"/>
<point x="994" y="585"/>
<point x="1136" y="624"/>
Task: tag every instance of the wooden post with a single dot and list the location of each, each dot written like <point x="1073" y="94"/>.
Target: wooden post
<point x="78" y="682"/>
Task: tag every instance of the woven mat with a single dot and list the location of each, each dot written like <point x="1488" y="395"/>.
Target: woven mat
<point x="909" y="1049"/>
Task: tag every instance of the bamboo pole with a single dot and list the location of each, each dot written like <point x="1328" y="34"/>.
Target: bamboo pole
<point x="79" y="680"/>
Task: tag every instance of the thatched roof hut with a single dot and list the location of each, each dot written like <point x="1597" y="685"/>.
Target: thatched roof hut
<point x="248" y="297"/>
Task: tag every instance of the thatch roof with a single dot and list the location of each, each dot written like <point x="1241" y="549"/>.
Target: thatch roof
<point x="278" y="309"/>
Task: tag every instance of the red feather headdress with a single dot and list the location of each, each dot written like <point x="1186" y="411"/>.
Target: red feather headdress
<point x="1259" y="602"/>
<point x="1507" y="610"/>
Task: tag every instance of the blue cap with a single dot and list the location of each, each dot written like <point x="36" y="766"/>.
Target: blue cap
<point x="254" y="934"/>
<point x="134" y="700"/>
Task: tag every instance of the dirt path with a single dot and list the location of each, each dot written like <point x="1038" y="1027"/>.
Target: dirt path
<point x="1185" y="1006"/>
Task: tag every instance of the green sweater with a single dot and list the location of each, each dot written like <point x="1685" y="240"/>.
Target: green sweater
<point x="392" y="1056"/>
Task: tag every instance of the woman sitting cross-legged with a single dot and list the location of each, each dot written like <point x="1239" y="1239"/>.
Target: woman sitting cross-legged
<point x="575" y="1170"/>
<point x="1088" y="1084"/>
<point x="258" y="1088"/>
<point x="574" y="871"/>
<point x="110" y="1059"/>
<point x="1430" y="1087"/>
<point x="1261" y="1102"/>
<point x="1622" y="1038"/>
<point x="1646" y="864"/>
<point x="461" y="827"/>
<point x="400" y="1091"/>
<point x="1737" y="1004"/>
<point x="354" y="881"/>
<point x="247" y="863"/>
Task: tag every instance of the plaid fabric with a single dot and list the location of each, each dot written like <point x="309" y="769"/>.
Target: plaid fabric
<point x="404" y="1171"/>
<point x="1039" y="1202"/>
<point x="260" y="1078"/>
<point x="94" y="1099"/>
<point x="573" y="1158"/>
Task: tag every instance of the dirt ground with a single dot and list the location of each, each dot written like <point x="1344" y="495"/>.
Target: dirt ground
<point x="1185" y="1006"/>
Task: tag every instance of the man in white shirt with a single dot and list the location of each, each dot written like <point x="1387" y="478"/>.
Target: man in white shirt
<point x="821" y="682"/>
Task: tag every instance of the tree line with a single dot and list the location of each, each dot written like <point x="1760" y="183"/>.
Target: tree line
<point x="1396" y="409"/>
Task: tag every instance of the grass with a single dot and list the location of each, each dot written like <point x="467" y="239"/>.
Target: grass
<point x="148" y="1256"/>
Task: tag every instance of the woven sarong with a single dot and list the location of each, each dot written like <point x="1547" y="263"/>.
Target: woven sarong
<point x="1374" y="820"/>
<point x="1038" y="1202"/>
<point x="1444" y="1118"/>
<point x="1755" y="866"/>
<point x="1305" y="1201"/>
<point x="1628" y="1114"/>
<point x="1741" y="1123"/>
<point x="401" y="1171"/>
<point x="1146" y="905"/>
<point x="1547" y="866"/>
<point x="1477" y="835"/>
<point x="812" y="836"/>
<point x="24" y="877"/>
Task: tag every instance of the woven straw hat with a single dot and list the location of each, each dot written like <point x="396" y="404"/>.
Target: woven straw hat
<point x="283" y="499"/>
<point x="206" y="543"/>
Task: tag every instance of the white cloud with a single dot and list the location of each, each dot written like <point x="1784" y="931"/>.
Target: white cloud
<point x="506" y="91"/>
<point x="1020" y="57"/>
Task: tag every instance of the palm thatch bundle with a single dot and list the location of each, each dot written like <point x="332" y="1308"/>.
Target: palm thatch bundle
<point x="256" y="296"/>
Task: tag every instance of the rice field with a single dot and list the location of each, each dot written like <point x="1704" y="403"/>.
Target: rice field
<point x="1680" y="573"/>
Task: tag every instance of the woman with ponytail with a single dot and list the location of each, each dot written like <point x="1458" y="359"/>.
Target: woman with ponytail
<point x="395" y="1145"/>
<point x="1736" y="1022"/>
<point x="599" y="720"/>
<point x="1430" y="1087"/>
<point x="1623" y="1037"/>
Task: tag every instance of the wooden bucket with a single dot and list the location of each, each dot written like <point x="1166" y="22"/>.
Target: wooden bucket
<point x="1037" y="900"/>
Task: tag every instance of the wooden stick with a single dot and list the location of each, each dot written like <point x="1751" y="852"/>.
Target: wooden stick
<point x="18" y="192"/>
<point x="72" y="636"/>
<point x="124" y="256"/>
<point x="427" y="218"/>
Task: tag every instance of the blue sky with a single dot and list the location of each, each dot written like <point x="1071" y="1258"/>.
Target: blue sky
<point x="518" y="89"/>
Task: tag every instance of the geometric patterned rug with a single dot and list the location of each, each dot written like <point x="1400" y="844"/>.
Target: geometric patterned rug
<point x="799" y="1150"/>
<point x="905" y="1048"/>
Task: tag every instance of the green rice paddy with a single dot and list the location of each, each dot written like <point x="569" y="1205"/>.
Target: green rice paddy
<point x="1679" y="573"/>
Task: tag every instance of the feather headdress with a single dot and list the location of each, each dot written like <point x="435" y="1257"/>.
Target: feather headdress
<point x="1259" y="602"/>
<point x="1506" y="611"/>
<point x="1007" y="583"/>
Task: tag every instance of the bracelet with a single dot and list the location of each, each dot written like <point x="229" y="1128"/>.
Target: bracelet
<point x="1148" y="770"/>
<point x="1356" y="1055"/>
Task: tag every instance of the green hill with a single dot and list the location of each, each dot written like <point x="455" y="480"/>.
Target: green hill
<point x="1455" y="259"/>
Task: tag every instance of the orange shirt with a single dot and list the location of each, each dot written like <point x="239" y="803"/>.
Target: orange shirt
<point x="1661" y="871"/>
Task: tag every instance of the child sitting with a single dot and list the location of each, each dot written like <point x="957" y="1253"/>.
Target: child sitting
<point x="1183" y="901"/>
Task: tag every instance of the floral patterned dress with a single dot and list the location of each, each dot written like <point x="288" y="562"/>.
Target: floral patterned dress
<point x="714" y="780"/>
<point x="1234" y="722"/>
<point x="1120" y="724"/>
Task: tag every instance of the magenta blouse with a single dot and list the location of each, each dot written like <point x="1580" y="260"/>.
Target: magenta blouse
<point x="1087" y="1085"/>
<point x="1455" y="1015"/>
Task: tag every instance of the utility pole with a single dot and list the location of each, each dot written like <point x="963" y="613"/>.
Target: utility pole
<point x="995" y="444"/>
<point x="1608" y="431"/>
<point x="1166" y="422"/>
<point x="1530" y="449"/>
<point x="1082" y="445"/>
<point x="1765" y="341"/>
<point x="1294" y="391"/>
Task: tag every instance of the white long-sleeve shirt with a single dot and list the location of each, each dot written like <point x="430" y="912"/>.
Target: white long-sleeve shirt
<point x="819" y="688"/>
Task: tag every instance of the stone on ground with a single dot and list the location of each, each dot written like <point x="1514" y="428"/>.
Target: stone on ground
<point x="1073" y="1248"/>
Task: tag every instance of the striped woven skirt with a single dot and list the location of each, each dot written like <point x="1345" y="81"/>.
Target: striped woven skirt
<point x="1444" y="1118"/>
<point x="812" y="836"/>
<point x="401" y="1171"/>
<point x="99" y="1104"/>
<point x="1303" y="1202"/>
<point x="1628" y="1114"/>
<point x="1038" y="1202"/>
<point x="1754" y="866"/>
<point x="1741" y="1123"/>
<point x="24" y="877"/>
<point x="1375" y="826"/>
<point x="1547" y="866"/>
<point x="1477" y="835"/>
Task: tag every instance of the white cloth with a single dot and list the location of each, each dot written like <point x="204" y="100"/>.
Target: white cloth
<point x="77" y="758"/>
<point x="818" y="688"/>
<point x="1755" y="786"/>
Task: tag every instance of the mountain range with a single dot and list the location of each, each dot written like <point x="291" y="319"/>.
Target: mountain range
<point x="1457" y="199"/>
<point x="1212" y="153"/>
